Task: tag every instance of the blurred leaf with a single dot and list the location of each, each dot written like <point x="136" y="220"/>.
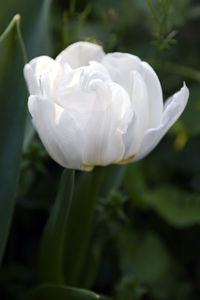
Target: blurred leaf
<point x="144" y="257"/>
<point x="52" y="245"/>
<point x="91" y="265"/>
<point x="129" y="289"/>
<point x="17" y="115"/>
<point x="35" y="29"/>
<point x="178" y="207"/>
<point x="34" y="21"/>
<point x="52" y="292"/>
<point x="38" y="43"/>
<point x="12" y="121"/>
<point x="147" y="266"/>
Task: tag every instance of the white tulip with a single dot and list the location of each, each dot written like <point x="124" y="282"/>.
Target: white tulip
<point x="91" y="108"/>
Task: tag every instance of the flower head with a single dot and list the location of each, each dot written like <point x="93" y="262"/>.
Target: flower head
<point x="91" y="108"/>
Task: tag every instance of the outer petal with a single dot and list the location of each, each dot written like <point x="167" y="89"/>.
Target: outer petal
<point x="154" y="91"/>
<point x="173" y="109"/>
<point x="35" y="69"/>
<point x="139" y="100"/>
<point x="58" y="132"/>
<point x="120" y="66"/>
<point x="79" y="54"/>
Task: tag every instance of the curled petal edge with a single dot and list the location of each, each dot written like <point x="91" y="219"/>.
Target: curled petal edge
<point x="173" y="108"/>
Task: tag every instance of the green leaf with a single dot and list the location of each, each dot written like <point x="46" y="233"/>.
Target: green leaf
<point x="35" y="23"/>
<point x="178" y="207"/>
<point x="35" y="29"/>
<point x="38" y="39"/>
<point x="38" y="43"/>
<point x="129" y="289"/>
<point x="92" y="263"/>
<point x="59" y="292"/>
<point x="144" y="256"/>
<point x="12" y="121"/>
<point x="146" y="265"/>
<point x="52" y="244"/>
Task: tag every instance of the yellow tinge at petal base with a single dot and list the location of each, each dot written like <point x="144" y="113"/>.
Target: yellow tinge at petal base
<point x="87" y="167"/>
<point x="125" y="161"/>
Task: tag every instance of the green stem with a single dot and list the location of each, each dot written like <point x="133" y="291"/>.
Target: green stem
<point x="80" y="224"/>
<point x="152" y="11"/>
<point x="111" y="180"/>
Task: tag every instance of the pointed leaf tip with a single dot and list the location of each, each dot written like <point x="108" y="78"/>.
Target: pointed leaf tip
<point x="17" y="17"/>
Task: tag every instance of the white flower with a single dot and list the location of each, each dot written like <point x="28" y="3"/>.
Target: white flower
<point x="92" y="108"/>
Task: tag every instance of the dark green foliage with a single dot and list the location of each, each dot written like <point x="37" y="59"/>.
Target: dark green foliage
<point x="12" y="123"/>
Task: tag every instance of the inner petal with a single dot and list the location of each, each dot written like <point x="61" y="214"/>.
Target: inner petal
<point x="77" y="88"/>
<point x="104" y="129"/>
<point x="120" y="67"/>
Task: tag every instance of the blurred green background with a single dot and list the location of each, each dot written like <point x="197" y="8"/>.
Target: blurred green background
<point x="145" y="241"/>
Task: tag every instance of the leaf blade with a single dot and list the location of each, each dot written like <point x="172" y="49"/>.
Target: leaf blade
<point x="52" y="292"/>
<point x="12" y="123"/>
<point x="52" y="244"/>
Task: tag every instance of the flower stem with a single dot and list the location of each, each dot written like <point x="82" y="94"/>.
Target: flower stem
<point x="79" y="229"/>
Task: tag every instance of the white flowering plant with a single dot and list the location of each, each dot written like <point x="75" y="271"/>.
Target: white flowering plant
<point x="99" y="194"/>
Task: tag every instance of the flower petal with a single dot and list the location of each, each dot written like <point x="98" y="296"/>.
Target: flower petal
<point x="35" y="69"/>
<point x="103" y="128"/>
<point x="138" y="126"/>
<point x="58" y="132"/>
<point x="76" y="88"/>
<point x="120" y="66"/>
<point x="79" y="54"/>
<point x="174" y="107"/>
<point x="154" y="91"/>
